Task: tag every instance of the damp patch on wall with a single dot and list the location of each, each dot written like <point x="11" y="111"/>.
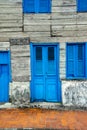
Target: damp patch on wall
<point x="74" y="93"/>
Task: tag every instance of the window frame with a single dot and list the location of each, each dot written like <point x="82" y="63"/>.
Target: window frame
<point x="37" y="9"/>
<point x="85" y="61"/>
<point x="80" y="9"/>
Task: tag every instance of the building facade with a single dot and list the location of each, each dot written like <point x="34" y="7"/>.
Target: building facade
<point x="43" y="52"/>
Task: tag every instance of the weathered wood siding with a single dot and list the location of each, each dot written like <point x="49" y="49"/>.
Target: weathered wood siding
<point x="66" y="22"/>
<point x="62" y="25"/>
<point x="10" y="19"/>
<point x="20" y="60"/>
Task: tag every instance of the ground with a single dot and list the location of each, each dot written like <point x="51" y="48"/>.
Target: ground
<point x="43" y="118"/>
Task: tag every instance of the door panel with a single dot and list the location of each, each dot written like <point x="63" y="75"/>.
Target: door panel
<point x="45" y="74"/>
<point x="38" y="74"/>
<point x="4" y="83"/>
<point x="51" y="89"/>
<point x="51" y="61"/>
<point x="39" y="88"/>
<point x="51" y="74"/>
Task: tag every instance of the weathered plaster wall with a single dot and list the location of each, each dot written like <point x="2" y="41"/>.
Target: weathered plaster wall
<point x="20" y="94"/>
<point x="62" y="60"/>
<point x="63" y="24"/>
<point x="20" y="59"/>
<point x="21" y="75"/>
<point x="74" y="93"/>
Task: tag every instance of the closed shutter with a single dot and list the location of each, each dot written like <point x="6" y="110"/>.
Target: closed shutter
<point x="70" y="61"/>
<point x="44" y="6"/>
<point x="80" y="61"/>
<point x="81" y="5"/>
<point x="29" y="6"/>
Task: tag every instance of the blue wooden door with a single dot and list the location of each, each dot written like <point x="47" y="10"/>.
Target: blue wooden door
<point x="4" y="76"/>
<point x="45" y="83"/>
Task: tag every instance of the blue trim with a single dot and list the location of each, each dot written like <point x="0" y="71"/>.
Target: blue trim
<point x="66" y="60"/>
<point x="76" y="61"/>
<point x="86" y="59"/>
<point x="37" y="8"/>
<point x="59" y="92"/>
<point x="31" y="63"/>
<point x="81" y="5"/>
<point x="9" y="63"/>
<point x="45" y="44"/>
<point x="10" y="71"/>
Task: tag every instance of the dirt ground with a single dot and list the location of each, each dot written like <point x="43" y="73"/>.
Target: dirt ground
<point x="42" y="118"/>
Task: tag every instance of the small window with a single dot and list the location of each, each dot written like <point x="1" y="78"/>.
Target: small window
<point x="36" y="6"/>
<point x="38" y="53"/>
<point x="76" y="61"/>
<point x="50" y="53"/>
<point x="82" y="5"/>
<point x="80" y="52"/>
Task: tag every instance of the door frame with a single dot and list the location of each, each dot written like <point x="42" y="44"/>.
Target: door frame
<point x="32" y="65"/>
<point x="9" y="67"/>
<point x="9" y="63"/>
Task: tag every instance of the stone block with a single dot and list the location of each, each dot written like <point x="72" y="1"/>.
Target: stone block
<point x="20" y="94"/>
<point x="74" y="93"/>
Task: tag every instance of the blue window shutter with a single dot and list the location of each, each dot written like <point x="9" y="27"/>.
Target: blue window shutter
<point x="29" y="6"/>
<point x="44" y="6"/>
<point x="81" y="5"/>
<point x="80" y="61"/>
<point x="86" y="59"/>
<point x="70" y="61"/>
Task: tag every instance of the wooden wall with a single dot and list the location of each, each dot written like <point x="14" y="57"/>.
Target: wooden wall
<point x="10" y="19"/>
<point x="20" y="59"/>
<point x="62" y="25"/>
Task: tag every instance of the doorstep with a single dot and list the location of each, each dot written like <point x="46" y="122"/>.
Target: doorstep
<point x="7" y="105"/>
<point x="46" y="105"/>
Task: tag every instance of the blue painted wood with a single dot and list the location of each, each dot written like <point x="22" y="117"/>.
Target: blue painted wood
<point x="36" y="6"/>
<point x="76" y="60"/>
<point x="32" y="71"/>
<point x="81" y="60"/>
<point x="4" y="76"/>
<point x="70" y="61"/>
<point x="38" y="75"/>
<point x="44" y="6"/>
<point x="29" y="6"/>
<point x="9" y="63"/>
<point x="51" y="75"/>
<point x="82" y="5"/>
<point x="45" y="84"/>
<point x="86" y="60"/>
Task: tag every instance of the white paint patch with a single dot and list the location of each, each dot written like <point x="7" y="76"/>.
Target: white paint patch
<point x="74" y="93"/>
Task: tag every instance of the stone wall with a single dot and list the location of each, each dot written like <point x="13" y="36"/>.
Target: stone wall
<point x="20" y="59"/>
<point x="20" y="63"/>
<point x="20" y="94"/>
<point x="74" y="93"/>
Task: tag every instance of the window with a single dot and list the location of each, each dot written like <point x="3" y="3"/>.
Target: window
<point x="50" y="53"/>
<point x="38" y="53"/>
<point x="76" y="61"/>
<point x="36" y="6"/>
<point x="82" y="5"/>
